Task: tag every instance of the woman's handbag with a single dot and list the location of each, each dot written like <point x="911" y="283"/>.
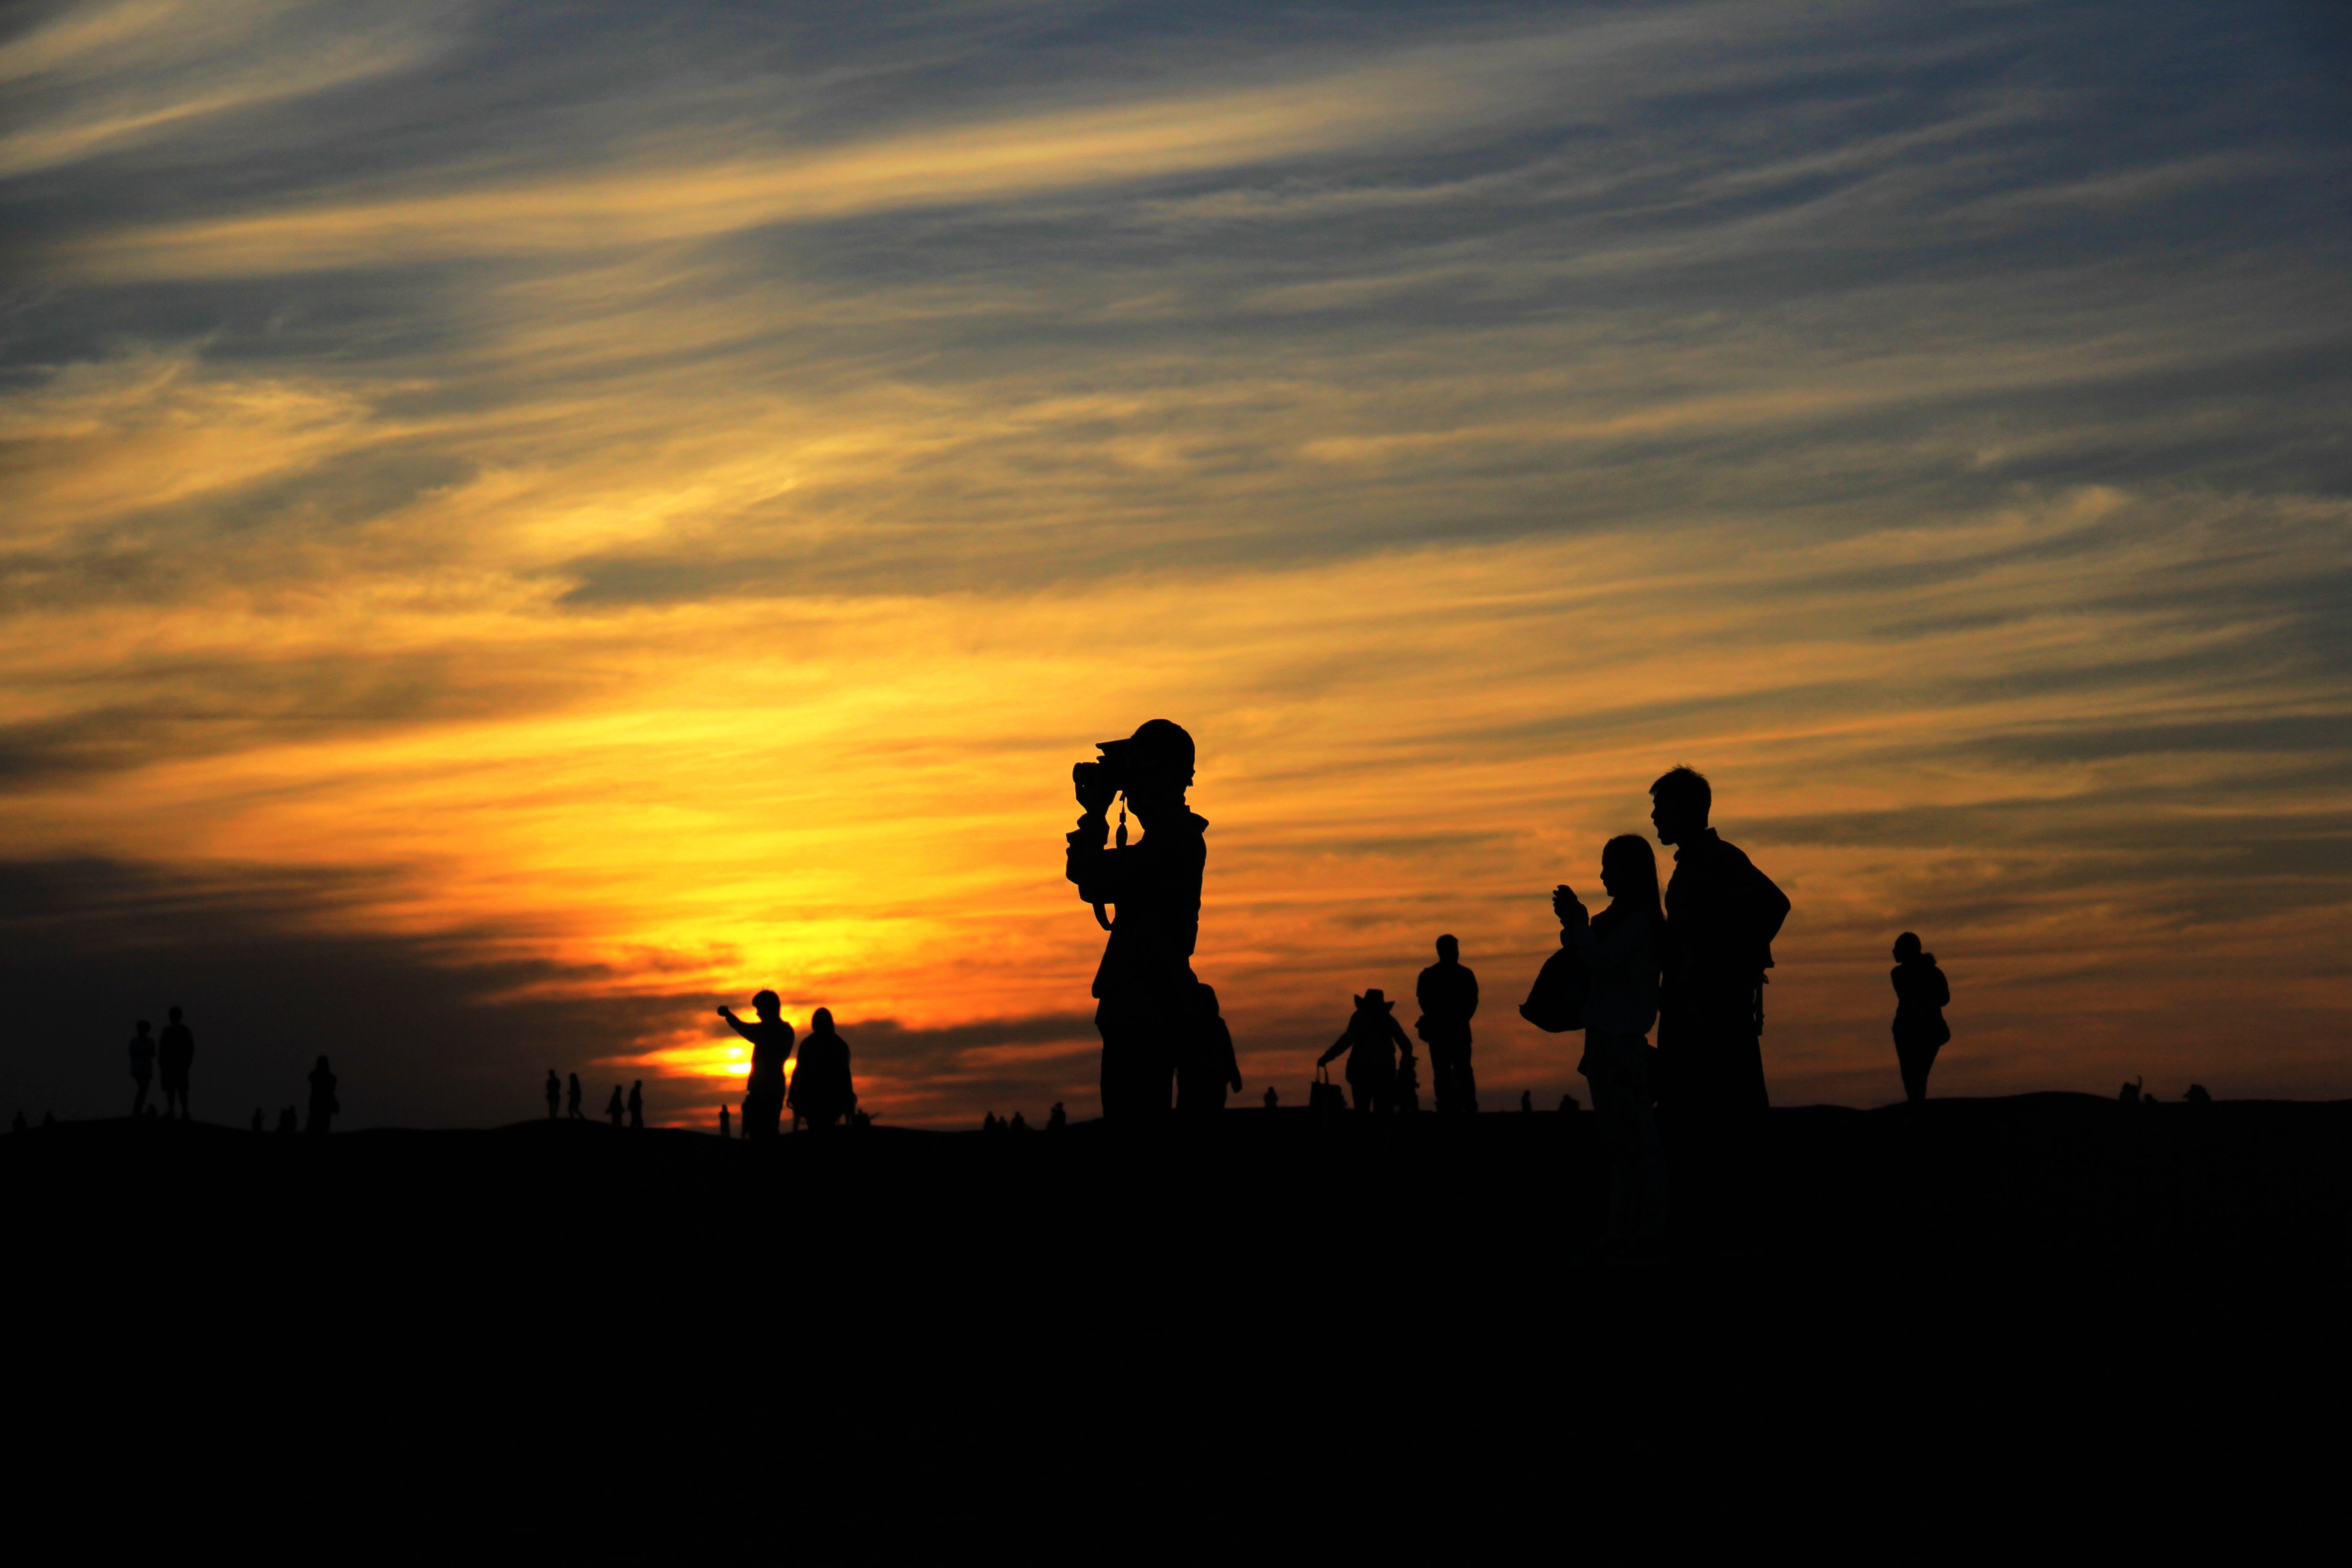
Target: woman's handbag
<point x="1324" y="1095"/>
<point x="1556" y="1003"/>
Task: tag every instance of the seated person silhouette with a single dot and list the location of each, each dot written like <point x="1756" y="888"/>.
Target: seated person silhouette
<point x="323" y="1103"/>
<point x="1370" y="1042"/>
<point x="1921" y="995"/>
<point x="143" y="1066"/>
<point x="554" y="1095"/>
<point x="1206" y="1067"/>
<point x="771" y="1042"/>
<point x="176" y="1053"/>
<point x="822" y="1091"/>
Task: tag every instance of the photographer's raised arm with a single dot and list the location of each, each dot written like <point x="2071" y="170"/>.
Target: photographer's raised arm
<point x="1092" y="864"/>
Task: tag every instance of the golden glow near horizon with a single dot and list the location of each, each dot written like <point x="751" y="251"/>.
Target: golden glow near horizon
<point x="681" y="549"/>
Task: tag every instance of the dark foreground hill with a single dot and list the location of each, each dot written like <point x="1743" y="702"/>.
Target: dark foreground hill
<point x="1271" y="1335"/>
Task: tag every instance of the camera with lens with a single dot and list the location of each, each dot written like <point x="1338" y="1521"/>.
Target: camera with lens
<point x="1158" y="750"/>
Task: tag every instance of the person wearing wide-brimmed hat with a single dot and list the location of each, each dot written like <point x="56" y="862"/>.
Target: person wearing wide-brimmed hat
<point x="1371" y="1040"/>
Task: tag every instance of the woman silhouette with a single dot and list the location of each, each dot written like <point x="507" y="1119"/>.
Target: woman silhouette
<point x="1921" y="995"/>
<point x="1620" y="948"/>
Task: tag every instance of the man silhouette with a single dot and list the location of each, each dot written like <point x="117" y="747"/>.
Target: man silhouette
<point x="177" y="1053"/>
<point x="573" y="1099"/>
<point x="772" y="1042"/>
<point x="143" y="1066"/>
<point x="1448" y="994"/>
<point x="554" y="1095"/>
<point x="1147" y="995"/>
<point x="724" y="1129"/>
<point x="637" y="1103"/>
<point x="1722" y="914"/>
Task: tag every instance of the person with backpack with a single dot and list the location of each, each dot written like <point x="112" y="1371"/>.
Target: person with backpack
<point x="1620" y="947"/>
<point x="1921" y="995"/>
<point x="1371" y="1041"/>
<point x="1722" y="914"/>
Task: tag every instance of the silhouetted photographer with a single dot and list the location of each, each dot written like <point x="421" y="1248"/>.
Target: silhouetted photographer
<point x="1147" y="999"/>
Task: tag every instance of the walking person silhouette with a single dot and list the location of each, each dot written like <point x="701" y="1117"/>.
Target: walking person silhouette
<point x="1145" y="993"/>
<point x="1371" y="1040"/>
<point x="1448" y="994"/>
<point x="177" y="1053"/>
<point x="323" y="1103"/>
<point x="636" y="1103"/>
<point x="143" y="1066"/>
<point x="1921" y="995"/>
<point x="1722" y="914"/>
<point x="554" y="1095"/>
<point x="572" y="1098"/>
<point x="772" y="1042"/>
<point x="616" y="1109"/>
<point x="1620" y="947"/>
<point x="822" y="1091"/>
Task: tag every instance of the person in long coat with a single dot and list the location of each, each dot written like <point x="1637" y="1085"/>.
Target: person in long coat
<point x="822" y="1092"/>
<point x="1371" y="1041"/>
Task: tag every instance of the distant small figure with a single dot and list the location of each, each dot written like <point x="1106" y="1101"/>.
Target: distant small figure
<point x="616" y="1110"/>
<point x="724" y="1129"/>
<point x="2197" y="1095"/>
<point x="1921" y="995"/>
<point x="1568" y="1105"/>
<point x="1271" y="1098"/>
<point x="573" y="1099"/>
<point x="554" y="1095"/>
<point x="1448" y="994"/>
<point x="1371" y="1041"/>
<point x="257" y="1119"/>
<point x="1527" y="1101"/>
<point x="1057" y="1119"/>
<point x="1020" y="1122"/>
<point x="861" y="1117"/>
<point x="288" y="1125"/>
<point x="771" y="1042"/>
<point x="143" y="1066"/>
<point x="2129" y="1093"/>
<point x="1206" y="1067"/>
<point x="637" y="1103"/>
<point x="822" y="1092"/>
<point x="988" y="1121"/>
<point x="323" y="1103"/>
<point x="177" y="1053"/>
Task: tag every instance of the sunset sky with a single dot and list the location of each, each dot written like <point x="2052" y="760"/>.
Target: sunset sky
<point x="519" y="524"/>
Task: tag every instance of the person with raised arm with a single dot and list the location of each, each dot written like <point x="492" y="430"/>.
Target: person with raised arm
<point x="1620" y="948"/>
<point x="771" y="1042"/>
<point x="1147" y="997"/>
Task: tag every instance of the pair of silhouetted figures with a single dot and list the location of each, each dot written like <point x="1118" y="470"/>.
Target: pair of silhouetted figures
<point x="819" y="1091"/>
<point x="175" y="1052"/>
